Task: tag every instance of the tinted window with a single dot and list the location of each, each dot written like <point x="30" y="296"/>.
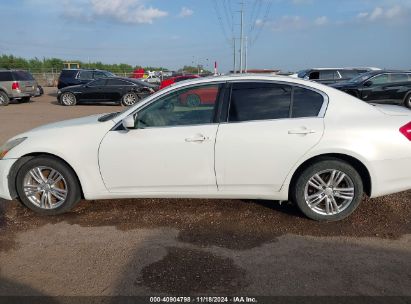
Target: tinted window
<point x="21" y="75"/>
<point x="99" y="82"/>
<point x="399" y="78"/>
<point x="86" y="75"/>
<point x="69" y="73"/>
<point x="5" y="76"/>
<point x="117" y="82"/>
<point x="185" y="107"/>
<point x="306" y="103"/>
<point x="301" y="74"/>
<point x="380" y="79"/>
<point x="314" y="76"/>
<point x="259" y="101"/>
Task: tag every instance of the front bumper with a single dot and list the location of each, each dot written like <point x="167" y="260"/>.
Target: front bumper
<point x="5" y="166"/>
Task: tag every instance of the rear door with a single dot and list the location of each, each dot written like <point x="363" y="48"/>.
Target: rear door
<point x="269" y="127"/>
<point x="398" y="87"/>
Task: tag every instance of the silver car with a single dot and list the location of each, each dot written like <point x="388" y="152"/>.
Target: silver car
<point x="16" y="85"/>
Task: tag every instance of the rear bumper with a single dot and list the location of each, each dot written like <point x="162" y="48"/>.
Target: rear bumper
<point x="16" y="95"/>
<point x="391" y="176"/>
<point x="5" y="167"/>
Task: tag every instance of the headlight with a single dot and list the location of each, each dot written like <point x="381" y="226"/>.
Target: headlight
<point x="4" y="149"/>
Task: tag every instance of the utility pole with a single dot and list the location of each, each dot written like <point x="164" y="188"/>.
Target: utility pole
<point x="246" y="54"/>
<point x="242" y="37"/>
<point x="235" y="57"/>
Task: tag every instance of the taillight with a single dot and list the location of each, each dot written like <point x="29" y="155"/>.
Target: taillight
<point x="406" y="131"/>
<point x="15" y="86"/>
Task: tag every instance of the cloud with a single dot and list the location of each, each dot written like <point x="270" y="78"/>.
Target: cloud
<point x="185" y="12"/>
<point x="395" y="13"/>
<point x="121" y="11"/>
<point x="320" y="21"/>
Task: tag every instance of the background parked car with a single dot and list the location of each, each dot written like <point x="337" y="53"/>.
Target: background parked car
<point x="70" y="77"/>
<point x="330" y="76"/>
<point x="16" y="85"/>
<point x="169" y="81"/>
<point x="390" y="87"/>
<point x="198" y="97"/>
<point x="114" y="89"/>
<point x="152" y="79"/>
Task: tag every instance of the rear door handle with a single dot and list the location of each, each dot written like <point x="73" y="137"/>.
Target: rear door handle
<point x="301" y="132"/>
<point x="196" y="139"/>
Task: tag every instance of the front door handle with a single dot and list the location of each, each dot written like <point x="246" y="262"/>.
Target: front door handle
<point x="196" y="139"/>
<point x="301" y="132"/>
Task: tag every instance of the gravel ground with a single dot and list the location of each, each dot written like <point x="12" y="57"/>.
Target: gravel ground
<point x="191" y="247"/>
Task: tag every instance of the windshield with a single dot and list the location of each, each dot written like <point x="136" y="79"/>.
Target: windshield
<point x="361" y="78"/>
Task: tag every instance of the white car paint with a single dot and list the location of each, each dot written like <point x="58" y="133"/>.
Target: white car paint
<point x="239" y="160"/>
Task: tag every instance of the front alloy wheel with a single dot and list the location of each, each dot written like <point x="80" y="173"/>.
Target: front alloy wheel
<point x="47" y="185"/>
<point x="68" y="99"/>
<point x="328" y="190"/>
<point x="129" y="99"/>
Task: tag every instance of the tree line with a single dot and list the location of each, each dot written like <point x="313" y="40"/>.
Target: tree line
<point x="37" y="65"/>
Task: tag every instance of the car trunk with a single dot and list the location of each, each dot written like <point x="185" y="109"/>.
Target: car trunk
<point x="393" y="110"/>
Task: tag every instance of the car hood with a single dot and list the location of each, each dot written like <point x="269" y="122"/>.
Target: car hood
<point x="83" y="123"/>
<point x="392" y="110"/>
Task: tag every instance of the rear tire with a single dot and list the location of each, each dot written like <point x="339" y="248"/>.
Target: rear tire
<point x="68" y="99"/>
<point x="407" y="101"/>
<point x="48" y="186"/>
<point x="4" y="99"/>
<point x="329" y="190"/>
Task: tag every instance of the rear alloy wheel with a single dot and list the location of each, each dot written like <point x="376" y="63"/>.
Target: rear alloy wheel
<point x="407" y="102"/>
<point x="68" y="99"/>
<point x="48" y="186"/>
<point x="4" y="99"/>
<point x="129" y="99"/>
<point x="329" y="190"/>
<point x="193" y="100"/>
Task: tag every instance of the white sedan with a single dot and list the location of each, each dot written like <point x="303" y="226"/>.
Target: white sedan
<point x="246" y="137"/>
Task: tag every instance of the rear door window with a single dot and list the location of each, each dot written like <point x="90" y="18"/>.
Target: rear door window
<point x="306" y="103"/>
<point x="99" y="74"/>
<point x="328" y="75"/>
<point x="259" y="101"/>
<point x="349" y="74"/>
<point x="399" y="78"/>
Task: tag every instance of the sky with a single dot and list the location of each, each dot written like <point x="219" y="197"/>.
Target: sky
<point x="282" y="34"/>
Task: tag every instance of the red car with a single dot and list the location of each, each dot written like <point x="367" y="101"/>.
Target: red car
<point x="169" y="81"/>
<point x="197" y="97"/>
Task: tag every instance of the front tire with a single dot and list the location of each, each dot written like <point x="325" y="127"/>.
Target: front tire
<point x="329" y="190"/>
<point x="48" y="186"/>
<point x="68" y="99"/>
<point x="4" y="99"/>
<point x="129" y="99"/>
<point x="407" y="101"/>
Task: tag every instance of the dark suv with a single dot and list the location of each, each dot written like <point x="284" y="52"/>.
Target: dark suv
<point x="390" y="87"/>
<point x="70" y="77"/>
<point x="330" y="76"/>
<point x="16" y="85"/>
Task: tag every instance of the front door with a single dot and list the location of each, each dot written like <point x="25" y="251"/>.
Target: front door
<point x="171" y="149"/>
<point x="270" y="127"/>
<point x="94" y="91"/>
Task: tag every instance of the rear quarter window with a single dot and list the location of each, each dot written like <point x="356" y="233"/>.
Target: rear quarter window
<point x="306" y="103"/>
<point x="21" y="76"/>
<point x="6" y="76"/>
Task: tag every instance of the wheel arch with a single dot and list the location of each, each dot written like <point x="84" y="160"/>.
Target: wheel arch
<point x="357" y="164"/>
<point x="23" y="160"/>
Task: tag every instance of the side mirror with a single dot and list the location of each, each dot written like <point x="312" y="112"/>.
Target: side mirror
<point x="368" y="83"/>
<point x="129" y="122"/>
